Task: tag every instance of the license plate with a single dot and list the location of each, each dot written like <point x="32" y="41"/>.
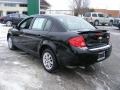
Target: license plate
<point x="101" y="56"/>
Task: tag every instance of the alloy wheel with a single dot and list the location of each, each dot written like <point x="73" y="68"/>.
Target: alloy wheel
<point x="10" y="44"/>
<point x="9" y="23"/>
<point x="96" y="23"/>
<point x="48" y="60"/>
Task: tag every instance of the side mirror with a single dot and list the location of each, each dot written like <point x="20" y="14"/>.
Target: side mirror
<point x="16" y="27"/>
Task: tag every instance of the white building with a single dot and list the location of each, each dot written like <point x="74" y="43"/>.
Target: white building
<point x="19" y="6"/>
<point x="13" y="6"/>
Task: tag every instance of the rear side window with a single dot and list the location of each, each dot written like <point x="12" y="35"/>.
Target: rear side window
<point x="94" y="15"/>
<point x="14" y="15"/>
<point x="26" y="24"/>
<point x="38" y="23"/>
<point x="87" y="15"/>
<point x="48" y="25"/>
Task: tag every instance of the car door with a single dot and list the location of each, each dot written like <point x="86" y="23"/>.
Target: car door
<point x="37" y="32"/>
<point x="107" y="20"/>
<point x="94" y="17"/>
<point x="19" y="35"/>
<point x="101" y="18"/>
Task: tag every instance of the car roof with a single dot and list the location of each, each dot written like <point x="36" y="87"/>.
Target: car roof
<point x="52" y="16"/>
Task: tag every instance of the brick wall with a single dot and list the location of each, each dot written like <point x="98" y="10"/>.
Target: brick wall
<point x="113" y="13"/>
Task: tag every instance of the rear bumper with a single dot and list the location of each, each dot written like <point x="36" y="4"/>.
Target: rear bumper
<point x="84" y="57"/>
<point x="100" y="48"/>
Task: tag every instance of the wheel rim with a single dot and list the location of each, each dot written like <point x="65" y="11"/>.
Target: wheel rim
<point x="9" y="23"/>
<point x="96" y="23"/>
<point x="10" y="43"/>
<point x="48" y="60"/>
<point x="111" y="23"/>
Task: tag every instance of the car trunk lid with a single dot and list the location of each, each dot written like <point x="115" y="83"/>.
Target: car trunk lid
<point x="94" y="39"/>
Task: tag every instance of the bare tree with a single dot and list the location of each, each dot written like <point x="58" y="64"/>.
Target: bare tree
<point x="77" y="6"/>
<point x="80" y="6"/>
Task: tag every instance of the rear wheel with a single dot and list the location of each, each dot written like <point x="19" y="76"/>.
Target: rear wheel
<point x="96" y="23"/>
<point x="10" y="43"/>
<point x="110" y="23"/>
<point x="49" y="60"/>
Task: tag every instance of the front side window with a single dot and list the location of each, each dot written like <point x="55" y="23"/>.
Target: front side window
<point x="14" y="15"/>
<point x="38" y="23"/>
<point x="100" y="15"/>
<point x="26" y="24"/>
<point x="94" y="15"/>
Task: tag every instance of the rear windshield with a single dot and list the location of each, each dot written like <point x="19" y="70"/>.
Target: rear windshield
<point x="75" y="23"/>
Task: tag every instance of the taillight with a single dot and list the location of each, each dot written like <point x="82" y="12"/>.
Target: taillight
<point x="77" y="41"/>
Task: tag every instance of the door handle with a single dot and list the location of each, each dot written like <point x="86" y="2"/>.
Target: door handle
<point x="38" y="35"/>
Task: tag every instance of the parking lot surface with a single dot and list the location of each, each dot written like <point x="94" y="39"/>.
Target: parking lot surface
<point x="21" y="71"/>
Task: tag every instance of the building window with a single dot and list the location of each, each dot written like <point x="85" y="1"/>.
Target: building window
<point x="10" y="4"/>
<point x="25" y="12"/>
<point x="10" y="12"/>
<point x="23" y="5"/>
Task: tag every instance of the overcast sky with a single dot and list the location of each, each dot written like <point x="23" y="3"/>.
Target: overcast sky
<point x="102" y="4"/>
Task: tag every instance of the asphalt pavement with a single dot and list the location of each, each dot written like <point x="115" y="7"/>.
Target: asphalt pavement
<point x="21" y="71"/>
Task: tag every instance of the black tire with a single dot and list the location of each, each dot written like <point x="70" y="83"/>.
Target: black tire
<point x="47" y="62"/>
<point x="96" y="23"/>
<point x="110" y="23"/>
<point x="10" y="43"/>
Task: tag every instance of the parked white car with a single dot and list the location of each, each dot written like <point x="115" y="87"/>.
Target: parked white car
<point x="97" y="18"/>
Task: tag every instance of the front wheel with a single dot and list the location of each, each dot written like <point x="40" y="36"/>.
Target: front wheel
<point x="10" y="43"/>
<point x="96" y="23"/>
<point x="49" y="60"/>
<point x="8" y="23"/>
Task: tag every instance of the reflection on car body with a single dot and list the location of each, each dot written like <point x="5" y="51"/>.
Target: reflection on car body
<point x="13" y="19"/>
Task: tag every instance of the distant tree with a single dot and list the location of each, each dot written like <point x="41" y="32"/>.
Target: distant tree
<point x="92" y="10"/>
<point x="80" y="7"/>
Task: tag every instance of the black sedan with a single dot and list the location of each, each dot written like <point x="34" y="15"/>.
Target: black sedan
<point x="60" y="40"/>
<point x="13" y="19"/>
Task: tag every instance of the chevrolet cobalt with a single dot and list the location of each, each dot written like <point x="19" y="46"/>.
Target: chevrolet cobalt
<point x="60" y="40"/>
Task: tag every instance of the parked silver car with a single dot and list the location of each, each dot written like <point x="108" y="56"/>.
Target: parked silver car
<point x="97" y="18"/>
